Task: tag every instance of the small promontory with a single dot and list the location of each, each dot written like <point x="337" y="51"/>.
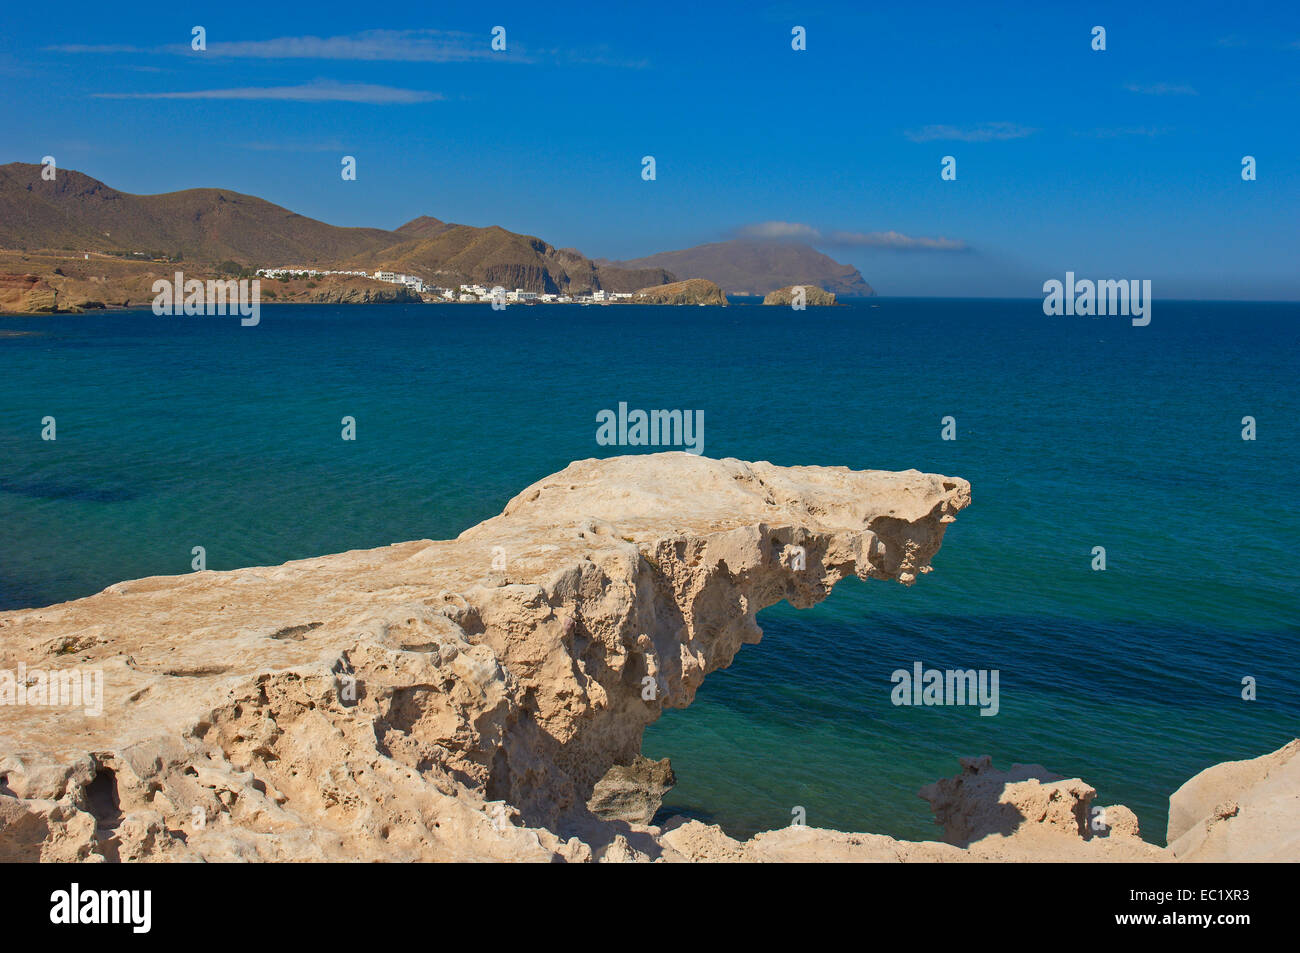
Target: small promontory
<point x="691" y="291"/>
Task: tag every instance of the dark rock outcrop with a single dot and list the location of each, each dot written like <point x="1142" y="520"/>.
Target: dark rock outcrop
<point x="632" y="792"/>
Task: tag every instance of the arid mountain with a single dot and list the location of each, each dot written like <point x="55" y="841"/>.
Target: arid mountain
<point x="455" y="254"/>
<point x="755" y="268"/>
<point x="426" y="226"/>
<point x="78" y="213"/>
<point x="75" y="213"/>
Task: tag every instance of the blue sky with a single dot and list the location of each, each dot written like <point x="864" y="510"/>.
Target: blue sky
<point x="1124" y="163"/>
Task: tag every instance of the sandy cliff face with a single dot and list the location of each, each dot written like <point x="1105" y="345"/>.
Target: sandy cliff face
<point x="26" y="294"/>
<point x="463" y="699"/>
<point x="1240" y="811"/>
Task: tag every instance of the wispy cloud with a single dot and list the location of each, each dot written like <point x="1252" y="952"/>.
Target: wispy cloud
<point x="413" y="46"/>
<point x="438" y="46"/>
<point x="1160" y="89"/>
<point x="982" y="132"/>
<point x="318" y="91"/>
<point x="778" y="230"/>
<point x="840" y="238"/>
<point x="432" y="46"/>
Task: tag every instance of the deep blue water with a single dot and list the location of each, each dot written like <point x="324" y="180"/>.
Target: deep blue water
<point x="1075" y="432"/>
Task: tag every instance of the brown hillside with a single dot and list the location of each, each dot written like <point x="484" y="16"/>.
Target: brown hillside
<point x="78" y="213"/>
<point x="493" y="256"/>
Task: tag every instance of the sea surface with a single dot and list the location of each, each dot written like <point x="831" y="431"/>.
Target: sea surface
<point x="1075" y="433"/>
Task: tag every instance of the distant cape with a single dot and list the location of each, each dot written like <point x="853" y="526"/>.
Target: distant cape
<point x="757" y="267"/>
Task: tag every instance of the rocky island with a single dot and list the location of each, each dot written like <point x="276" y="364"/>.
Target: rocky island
<point x="484" y="698"/>
<point x="814" y="297"/>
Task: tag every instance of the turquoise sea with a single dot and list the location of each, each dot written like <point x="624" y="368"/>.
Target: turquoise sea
<point x="1075" y="433"/>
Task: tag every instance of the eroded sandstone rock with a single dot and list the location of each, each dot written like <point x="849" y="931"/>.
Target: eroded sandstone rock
<point x="434" y="699"/>
<point x="1240" y="811"/>
<point x="26" y="294"/>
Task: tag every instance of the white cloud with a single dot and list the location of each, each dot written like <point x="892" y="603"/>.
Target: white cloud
<point x="778" y="230"/>
<point x="386" y="45"/>
<point x="420" y="46"/>
<point x="318" y="91"/>
<point x="436" y="46"/>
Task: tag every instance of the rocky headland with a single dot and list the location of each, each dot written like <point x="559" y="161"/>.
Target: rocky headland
<point x="484" y="698"/>
<point x="691" y="291"/>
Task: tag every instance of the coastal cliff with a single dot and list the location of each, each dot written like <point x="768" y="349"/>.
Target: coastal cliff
<point x="26" y="294"/>
<point x="76" y="285"/>
<point x="481" y="698"/>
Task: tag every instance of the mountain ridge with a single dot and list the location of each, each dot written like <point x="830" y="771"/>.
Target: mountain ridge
<point x="746" y="266"/>
<point x="78" y="213"/>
